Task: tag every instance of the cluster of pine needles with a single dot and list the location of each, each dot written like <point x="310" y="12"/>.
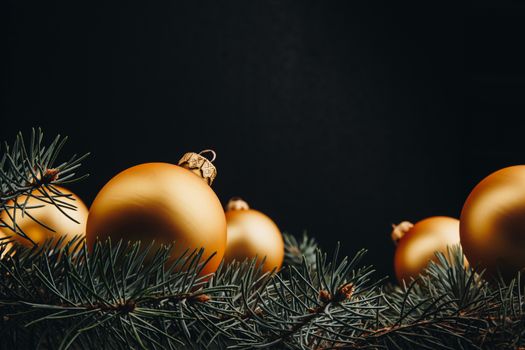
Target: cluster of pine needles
<point x="121" y="295"/>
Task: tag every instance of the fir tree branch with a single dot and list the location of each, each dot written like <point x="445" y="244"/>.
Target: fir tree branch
<point x="116" y="297"/>
<point x="29" y="171"/>
<point x="120" y="295"/>
<point x="295" y="250"/>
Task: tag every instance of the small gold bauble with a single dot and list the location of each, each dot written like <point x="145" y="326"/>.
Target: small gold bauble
<point x="164" y="203"/>
<point x="417" y="244"/>
<point x="252" y="234"/>
<point x="48" y="214"/>
<point x="493" y="222"/>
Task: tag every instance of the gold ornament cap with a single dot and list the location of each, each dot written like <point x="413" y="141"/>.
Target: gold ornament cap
<point x="200" y="165"/>
<point x="237" y="203"/>
<point x="401" y="229"/>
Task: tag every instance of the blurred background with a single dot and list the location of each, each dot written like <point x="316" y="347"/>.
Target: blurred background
<point x="331" y="117"/>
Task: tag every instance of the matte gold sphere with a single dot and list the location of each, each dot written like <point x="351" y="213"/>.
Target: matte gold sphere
<point x="161" y="202"/>
<point x="49" y="215"/>
<point x="419" y="243"/>
<point x="253" y="234"/>
<point x="493" y="222"/>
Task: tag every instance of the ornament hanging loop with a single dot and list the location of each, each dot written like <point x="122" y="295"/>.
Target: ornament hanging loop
<point x="399" y="230"/>
<point x="213" y="154"/>
<point x="200" y="165"/>
<point x="237" y="203"/>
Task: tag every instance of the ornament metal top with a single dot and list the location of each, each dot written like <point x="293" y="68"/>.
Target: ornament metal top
<point x="200" y="165"/>
<point x="237" y="203"/>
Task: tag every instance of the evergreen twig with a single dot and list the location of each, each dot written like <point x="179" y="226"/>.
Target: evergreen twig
<point x="120" y="295"/>
<point x="30" y="171"/>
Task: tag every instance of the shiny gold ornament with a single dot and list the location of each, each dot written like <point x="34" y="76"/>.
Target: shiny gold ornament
<point x="493" y="222"/>
<point x="417" y="244"/>
<point x="49" y="215"/>
<point x="252" y="233"/>
<point x="164" y="203"/>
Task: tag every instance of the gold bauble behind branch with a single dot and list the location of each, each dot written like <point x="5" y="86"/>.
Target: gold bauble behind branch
<point x="417" y="244"/>
<point x="164" y="203"/>
<point x="252" y="234"/>
<point x="39" y="210"/>
<point x="493" y="222"/>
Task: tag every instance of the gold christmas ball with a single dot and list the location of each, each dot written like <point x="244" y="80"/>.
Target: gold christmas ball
<point x="493" y="222"/>
<point x="252" y="234"/>
<point x="47" y="214"/>
<point x="417" y="244"/>
<point x="164" y="203"/>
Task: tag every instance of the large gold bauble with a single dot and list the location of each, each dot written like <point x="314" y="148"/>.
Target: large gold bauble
<point x="253" y="234"/>
<point x="49" y="215"/>
<point x="417" y="244"/>
<point x="164" y="203"/>
<point x="493" y="222"/>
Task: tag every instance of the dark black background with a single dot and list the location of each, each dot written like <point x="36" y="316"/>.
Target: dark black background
<point x="331" y="117"/>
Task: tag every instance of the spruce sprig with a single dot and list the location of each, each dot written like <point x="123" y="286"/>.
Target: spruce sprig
<point x="31" y="171"/>
<point x="121" y="295"/>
